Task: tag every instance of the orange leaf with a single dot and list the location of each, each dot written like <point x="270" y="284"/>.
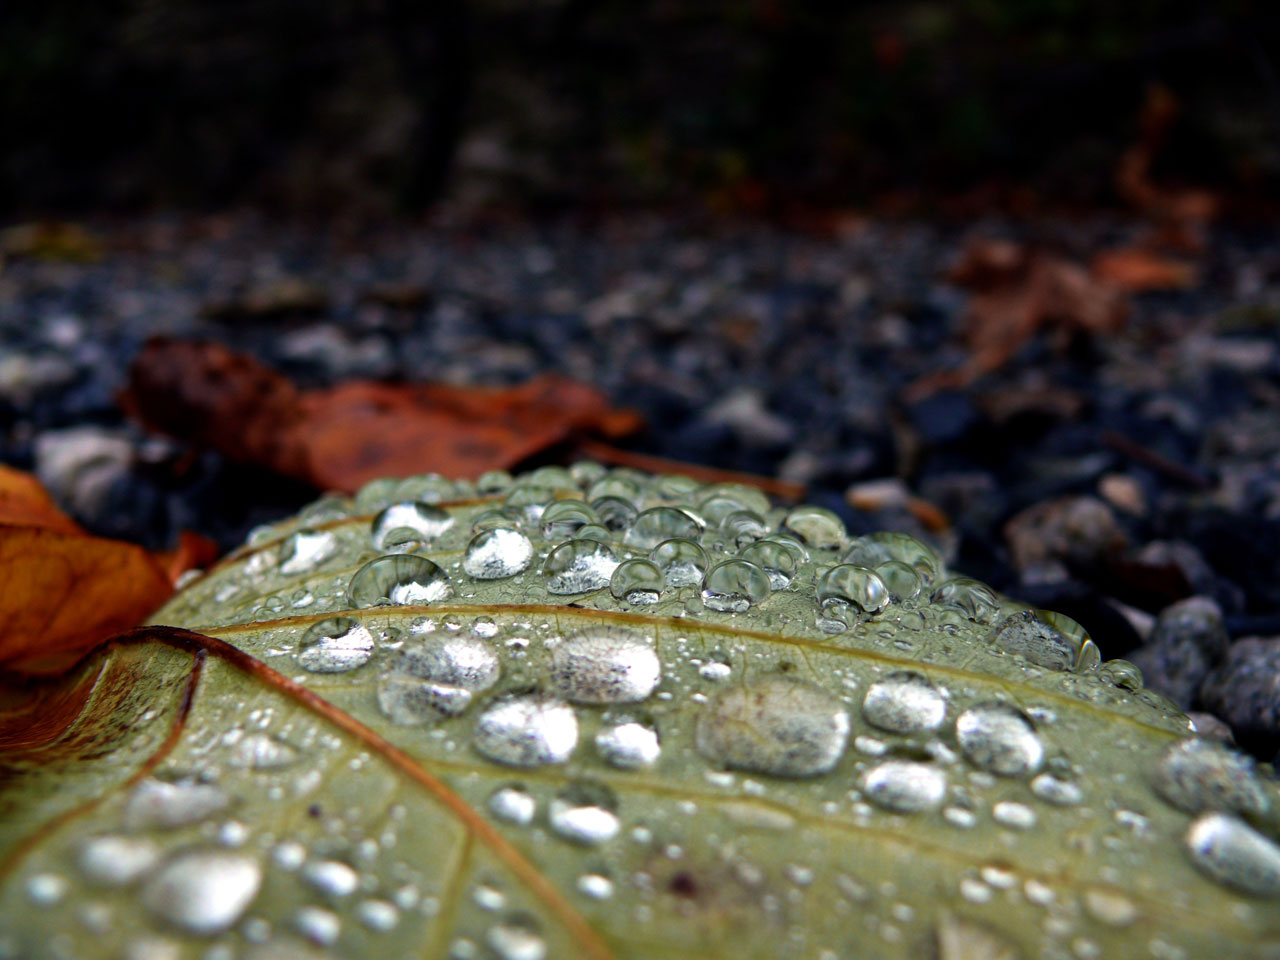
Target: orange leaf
<point x="65" y="593"/>
<point x="24" y="502"/>
<point x="1137" y="269"/>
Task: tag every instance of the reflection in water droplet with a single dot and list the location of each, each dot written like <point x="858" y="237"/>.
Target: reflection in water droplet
<point x="999" y="738"/>
<point x="630" y="745"/>
<point x="436" y="678"/>
<point x="513" y="804"/>
<point x="398" y="580"/>
<point x="816" y="526"/>
<point x="1197" y="775"/>
<point x="306" y="550"/>
<point x="605" y="665"/>
<point x="776" y="559"/>
<point x="517" y="939"/>
<point x="904" y="702"/>
<point x="411" y="520"/>
<point x="852" y="585"/>
<point x="497" y="553"/>
<point x="584" y="813"/>
<point x="579" y="566"/>
<point x="683" y="562"/>
<point x="971" y="597"/>
<point x="334" y="645"/>
<point x="116" y="861"/>
<point x="527" y="731"/>
<point x="637" y="581"/>
<point x="776" y="725"/>
<point x="1233" y="853"/>
<point x="732" y="586"/>
<point x="900" y="579"/>
<point x="157" y="805"/>
<point x="656" y="524"/>
<point x="905" y="786"/>
<point x="203" y="891"/>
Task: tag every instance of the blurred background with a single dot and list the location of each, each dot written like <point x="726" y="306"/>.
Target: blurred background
<point x="389" y="106"/>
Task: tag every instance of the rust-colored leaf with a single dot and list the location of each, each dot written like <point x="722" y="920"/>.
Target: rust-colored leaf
<point x="24" y="502"/>
<point x="1138" y="269"/>
<point x="342" y="437"/>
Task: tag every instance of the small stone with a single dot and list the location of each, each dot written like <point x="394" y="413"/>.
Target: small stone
<point x="1243" y="690"/>
<point x="1188" y="639"/>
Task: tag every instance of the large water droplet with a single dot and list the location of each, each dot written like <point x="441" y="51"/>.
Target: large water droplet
<point x="973" y="598"/>
<point x="913" y="552"/>
<point x="682" y="562"/>
<point x="904" y="702"/>
<point x="854" y="586"/>
<point x="565" y="518"/>
<point x="397" y="580"/>
<point x="637" y="581"/>
<point x="412" y="521"/>
<point x="203" y="891"/>
<point x="1197" y="775"/>
<point x="615" y="513"/>
<point x="584" y="813"/>
<point x="115" y="861"/>
<point x="579" y="566"/>
<point x="743" y="527"/>
<point x="436" y="678"/>
<point x="999" y="738"/>
<point x="605" y="665"/>
<point x="661" y="523"/>
<point x="306" y="550"/>
<point x="1233" y="853"/>
<point x="497" y="553"/>
<point x="155" y="804"/>
<point x="776" y="725"/>
<point x="900" y="579"/>
<point x="732" y="586"/>
<point x="1025" y="635"/>
<point x="776" y="559"/>
<point x="530" y="499"/>
<point x="335" y="645"/>
<point x="816" y="526"/>
<point x="629" y="745"/>
<point x="527" y="731"/>
<point x="905" y="786"/>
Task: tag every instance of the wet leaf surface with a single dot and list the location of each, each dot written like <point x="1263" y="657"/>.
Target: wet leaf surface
<point x="479" y="766"/>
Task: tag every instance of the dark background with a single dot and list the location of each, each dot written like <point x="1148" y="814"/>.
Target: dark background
<point x="385" y="107"/>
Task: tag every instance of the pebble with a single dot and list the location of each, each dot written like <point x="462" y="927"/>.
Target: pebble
<point x="1187" y="641"/>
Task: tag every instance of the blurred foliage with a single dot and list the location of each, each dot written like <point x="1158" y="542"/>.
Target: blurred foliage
<point x="391" y="104"/>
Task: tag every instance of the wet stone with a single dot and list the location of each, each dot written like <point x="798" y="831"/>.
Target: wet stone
<point x="335" y="645"/>
<point x="605" y="665"/>
<point x="203" y="891"/>
<point x="1243" y="689"/>
<point x="904" y="702"/>
<point x="527" y="731"/>
<point x="497" y="553"/>
<point x="999" y="738"/>
<point x="1187" y="641"/>
<point x="776" y="725"/>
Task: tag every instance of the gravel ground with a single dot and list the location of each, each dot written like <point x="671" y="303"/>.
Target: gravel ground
<point x="1131" y="482"/>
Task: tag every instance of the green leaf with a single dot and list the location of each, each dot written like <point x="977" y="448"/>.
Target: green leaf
<point x="828" y="748"/>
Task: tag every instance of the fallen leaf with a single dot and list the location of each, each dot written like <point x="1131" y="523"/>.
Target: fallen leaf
<point x="1139" y="270"/>
<point x="342" y="437"/>
<point x="24" y="502"/>
<point x="563" y="776"/>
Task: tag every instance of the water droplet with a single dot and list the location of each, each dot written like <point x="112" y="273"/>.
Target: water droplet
<point x="46" y="889"/>
<point x="629" y="745"/>
<point x="1025" y="635"/>
<point x="1233" y="853"/>
<point x="584" y="813"/>
<point x="716" y="666"/>
<point x="493" y="482"/>
<point x="817" y="526"/>
<point x="565" y="518"/>
<point x="513" y="804"/>
<point x="527" y="731"/>
<point x="973" y="598"/>
<point x="307" y="550"/>
<point x="530" y="499"/>
<point x="261" y="751"/>
<point x="904" y="702"/>
<point x="905" y="786"/>
<point x="579" y="566"/>
<point x="595" y="886"/>
<point x="326" y="509"/>
<point x="1197" y="775"/>
<point x="605" y="665"/>
<point x="157" y="805"/>
<point x="637" y="581"/>
<point x="436" y="678"/>
<point x="1121" y="674"/>
<point x="1017" y="816"/>
<point x="397" y="580"/>
<point x="335" y="645"/>
<point x="854" y="586"/>
<point x="732" y="586"/>
<point x="776" y="559"/>
<point x="117" y="861"/>
<point x="517" y="939"/>
<point x="683" y="562"/>
<point x="497" y="553"/>
<point x="776" y="725"/>
<point x="318" y="925"/>
<point x="743" y="527"/>
<point x="333" y="878"/>
<point x="1061" y="793"/>
<point x="656" y="524"/>
<point x="999" y="738"/>
<point x="614" y="513"/>
<point x="378" y="915"/>
<point x="402" y="523"/>
<point x="900" y="579"/>
<point x="203" y="891"/>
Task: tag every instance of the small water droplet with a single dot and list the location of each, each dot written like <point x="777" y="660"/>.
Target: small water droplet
<point x="1233" y="853"/>
<point x="614" y="513"/>
<point x="1197" y="775"/>
<point x="905" y="786"/>
<point x="1017" y="816"/>
<point x="46" y="889"/>
<point x="776" y="725"/>
<point x="527" y="731"/>
<point x="318" y="925"/>
<point x="307" y="550"/>
<point x="904" y="702"/>
<point x="733" y="586"/>
<point x="517" y="939"/>
<point x="497" y="553"/>
<point x="900" y="579"/>
<point x="637" y="581"/>
<point x="682" y="562"/>
<point x="973" y="598"/>
<point x="743" y="527"/>
<point x="378" y="915"/>
<point x="853" y="586"/>
<point x="398" y="580"/>
<point x="817" y="526"/>
<point x="657" y="524"/>
<point x="584" y="813"/>
<point x="629" y="745"/>
<point x="1121" y="674"/>
<point x="116" y="861"/>
<point x="513" y="804"/>
<point x="605" y="665"/>
<point x="409" y="521"/>
<point x="335" y="645"/>
<point x="203" y="891"/>
<point x="776" y="559"/>
<point x="999" y="738"/>
<point x="261" y="751"/>
<point x="579" y="566"/>
<point x="595" y="886"/>
<point x="333" y="878"/>
<point x="1109" y="907"/>
<point x="565" y="518"/>
<point x="157" y="805"/>
<point x="1061" y="793"/>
